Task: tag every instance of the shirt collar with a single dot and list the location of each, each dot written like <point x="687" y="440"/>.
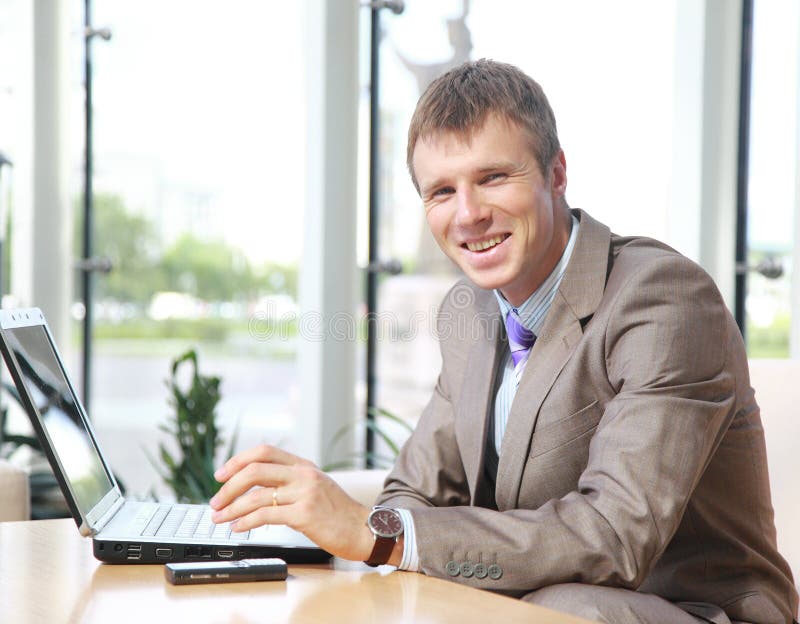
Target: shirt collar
<point x="533" y="310"/>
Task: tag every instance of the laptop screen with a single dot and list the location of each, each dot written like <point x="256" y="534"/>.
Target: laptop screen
<point x="61" y="416"/>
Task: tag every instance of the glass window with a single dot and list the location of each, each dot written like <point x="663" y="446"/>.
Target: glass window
<point x="199" y="116"/>
<point x="773" y="169"/>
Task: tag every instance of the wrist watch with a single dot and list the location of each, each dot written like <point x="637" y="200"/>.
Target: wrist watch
<point x="386" y="526"/>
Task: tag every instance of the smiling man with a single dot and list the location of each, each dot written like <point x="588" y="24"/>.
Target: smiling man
<point x="592" y="444"/>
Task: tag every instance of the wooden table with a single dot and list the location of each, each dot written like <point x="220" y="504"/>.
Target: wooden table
<point x="48" y="575"/>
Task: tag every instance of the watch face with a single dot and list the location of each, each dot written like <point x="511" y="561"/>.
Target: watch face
<point x="385" y="523"/>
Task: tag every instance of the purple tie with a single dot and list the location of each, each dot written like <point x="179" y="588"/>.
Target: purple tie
<point x="520" y="341"/>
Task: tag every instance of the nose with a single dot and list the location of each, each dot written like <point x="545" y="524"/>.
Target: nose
<point x="470" y="208"/>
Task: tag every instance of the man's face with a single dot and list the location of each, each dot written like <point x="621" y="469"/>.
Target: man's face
<point x="490" y="208"/>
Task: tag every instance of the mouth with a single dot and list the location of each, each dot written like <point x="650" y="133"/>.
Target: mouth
<point x="481" y="246"/>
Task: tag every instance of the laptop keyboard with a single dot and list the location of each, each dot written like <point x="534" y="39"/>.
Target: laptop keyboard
<point x="188" y="521"/>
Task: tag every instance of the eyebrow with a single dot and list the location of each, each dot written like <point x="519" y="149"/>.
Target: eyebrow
<point x="497" y="164"/>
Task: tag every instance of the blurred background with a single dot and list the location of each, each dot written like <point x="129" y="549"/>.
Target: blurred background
<point x="245" y="162"/>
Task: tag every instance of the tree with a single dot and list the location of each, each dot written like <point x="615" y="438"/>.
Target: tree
<point x="277" y="278"/>
<point x="130" y="242"/>
<point x="210" y="270"/>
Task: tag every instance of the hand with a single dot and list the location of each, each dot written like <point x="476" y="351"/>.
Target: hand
<point x="307" y="499"/>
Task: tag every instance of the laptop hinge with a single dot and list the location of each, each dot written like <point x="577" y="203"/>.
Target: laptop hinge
<point x="106" y="517"/>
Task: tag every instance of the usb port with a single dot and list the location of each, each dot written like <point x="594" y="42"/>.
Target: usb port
<point x="225" y="554"/>
<point x="164" y="553"/>
<point x="134" y="551"/>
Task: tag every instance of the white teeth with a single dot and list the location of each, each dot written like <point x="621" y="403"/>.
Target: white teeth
<point x="480" y="246"/>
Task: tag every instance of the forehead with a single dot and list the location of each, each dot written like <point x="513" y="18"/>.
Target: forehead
<point x="496" y="138"/>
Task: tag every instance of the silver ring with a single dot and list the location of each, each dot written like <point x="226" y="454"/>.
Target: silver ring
<point x="275" y="497"/>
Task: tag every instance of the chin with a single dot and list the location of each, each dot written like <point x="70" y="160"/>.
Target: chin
<point x="487" y="282"/>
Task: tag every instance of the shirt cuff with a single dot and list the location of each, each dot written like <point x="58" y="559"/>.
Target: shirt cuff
<point x="410" y="560"/>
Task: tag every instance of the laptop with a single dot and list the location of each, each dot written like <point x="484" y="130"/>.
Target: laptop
<point x="122" y="531"/>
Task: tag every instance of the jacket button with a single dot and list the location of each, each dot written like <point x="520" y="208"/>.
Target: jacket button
<point x="480" y="571"/>
<point x="495" y="571"/>
<point x="467" y="569"/>
<point x="453" y="569"/>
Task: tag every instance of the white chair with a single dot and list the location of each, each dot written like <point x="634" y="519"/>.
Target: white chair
<point x="363" y="485"/>
<point x="14" y="493"/>
<point x="777" y="386"/>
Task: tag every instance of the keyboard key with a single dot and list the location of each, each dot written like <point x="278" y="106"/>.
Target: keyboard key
<point x="185" y="521"/>
<point x="155" y="521"/>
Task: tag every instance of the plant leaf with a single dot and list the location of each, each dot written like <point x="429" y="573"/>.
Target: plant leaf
<point x="383" y="413"/>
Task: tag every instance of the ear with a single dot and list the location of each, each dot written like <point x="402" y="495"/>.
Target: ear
<point x="558" y="175"/>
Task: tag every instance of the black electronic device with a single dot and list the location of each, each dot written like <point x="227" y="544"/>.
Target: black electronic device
<point x="246" y="570"/>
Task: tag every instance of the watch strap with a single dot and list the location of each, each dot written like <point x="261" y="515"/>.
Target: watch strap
<point x="381" y="551"/>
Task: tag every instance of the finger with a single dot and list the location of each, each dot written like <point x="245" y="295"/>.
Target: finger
<point x="251" y="475"/>
<point x="250" y="502"/>
<point x="254" y="500"/>
<point x="264" y="453"/>
<point x="262" y="516"/>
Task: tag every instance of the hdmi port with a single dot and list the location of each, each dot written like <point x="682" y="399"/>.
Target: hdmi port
<point x="225" y="554"/>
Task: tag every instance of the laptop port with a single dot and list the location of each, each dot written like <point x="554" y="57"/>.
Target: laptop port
<point x="225" y="554"/>
<point x="197" y="552"/>
<point x="163" y="553"/>
<point x="134" y="551"/>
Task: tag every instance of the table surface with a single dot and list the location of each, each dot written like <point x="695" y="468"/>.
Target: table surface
<point x="48" y="574"/>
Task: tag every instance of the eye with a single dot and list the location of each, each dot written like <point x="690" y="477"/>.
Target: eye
<point x="445" y="190"/>
<point x="492" y="177"/>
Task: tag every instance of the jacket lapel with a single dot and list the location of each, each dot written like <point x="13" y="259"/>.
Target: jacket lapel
<point x="477" y="392"/>
<point x="577" y="298"/>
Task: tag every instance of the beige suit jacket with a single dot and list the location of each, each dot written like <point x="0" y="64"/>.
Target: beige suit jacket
<point x="633" y="456"/>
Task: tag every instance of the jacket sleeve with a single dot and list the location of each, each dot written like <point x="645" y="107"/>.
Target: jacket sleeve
<point x="429" y="471"/>
<point x="666" y="346"/>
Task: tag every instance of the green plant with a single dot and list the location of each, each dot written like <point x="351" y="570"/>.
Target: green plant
<point x="194" y="429"/>
<point x="377" y="424"/>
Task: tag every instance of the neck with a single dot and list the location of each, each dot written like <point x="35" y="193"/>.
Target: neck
<point x="561" y="234"/>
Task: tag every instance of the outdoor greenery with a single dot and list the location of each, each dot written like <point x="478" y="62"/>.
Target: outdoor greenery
<point x="143" y="264"/>
<point x="211" y="269"/>
<point x="211" y="330"/>
<point x="130" y="242"/>
<point x="204" y="329"/>
<point x="190" y="475"/>
<point x="769" y="342"/>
